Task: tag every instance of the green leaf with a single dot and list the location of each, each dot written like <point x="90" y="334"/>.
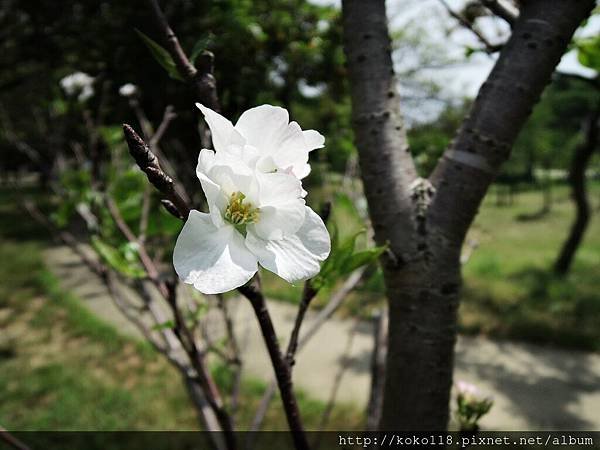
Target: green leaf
<point x="169" y="324"/>
<point x="63" y="214"/>
<point x="114" y="258"/>
<point x="112" y="134"/>
<point x="345" y="251"/>
<point x="161" y="56"/>
<point x="130" y="251"/>
<point x="200" y="45"/>
<point x="199" y="313"/>
<point x="362" y="258"/>
<point x="345" y="203"/>
<point x="469" y="51"/>
<point x="588" y="52"/>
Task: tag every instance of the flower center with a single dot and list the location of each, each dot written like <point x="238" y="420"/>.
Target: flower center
<point x="240" y="213"/>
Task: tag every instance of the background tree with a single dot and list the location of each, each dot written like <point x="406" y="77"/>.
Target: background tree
<point x="589" y="56"/>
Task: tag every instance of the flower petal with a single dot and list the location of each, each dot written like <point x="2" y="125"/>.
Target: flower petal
<point x="278" y="188"/>
<point x="224" y="135"/>
<point x="229" y="173"/>
<point x="263" y="127"/>
<point x="215" y="197"/>
<point x="295" y="257"/>
<point x="214" y="260"/>
<point x="314" y="139"/>
<point x="291" y="152"/>
<point x="282" y="208"/>
<point x="278" y="222"/>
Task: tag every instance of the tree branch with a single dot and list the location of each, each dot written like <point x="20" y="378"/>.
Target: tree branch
<point x="489" y="47"/>
<point x="325" y="314"/>
<point x="235" y="354"/>
<point x="374" y="408"/>
<point x="337" y="380"/>
<point x="387" y="167"/>
<point x="499" y="9"/>
<point x="282" y="370"/>
<point x="145" y="258"/>
<point x="148" y="163"/>
<point x="308" y="294"/>
<point x="202" y="78"/>
<point x="197" y="360"/>
<point x="484" y="141"/>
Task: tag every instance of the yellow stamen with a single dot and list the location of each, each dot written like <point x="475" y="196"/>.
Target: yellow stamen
<point x="240" y="213"/>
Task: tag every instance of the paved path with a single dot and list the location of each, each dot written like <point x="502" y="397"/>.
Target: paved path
<point x="534" y="387"/>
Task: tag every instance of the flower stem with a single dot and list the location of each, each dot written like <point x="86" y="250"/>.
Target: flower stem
<point x="283" y="374"/>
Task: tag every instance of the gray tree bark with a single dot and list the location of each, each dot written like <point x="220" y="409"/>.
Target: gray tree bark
<point x="425" y="221"/>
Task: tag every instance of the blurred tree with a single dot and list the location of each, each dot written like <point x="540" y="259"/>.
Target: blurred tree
<point x="281" y="52"/>
<point x="589" y="55"/>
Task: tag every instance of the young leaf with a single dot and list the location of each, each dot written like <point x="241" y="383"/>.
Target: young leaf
<point x="362" y="258"/>
<point x="116" y="260"/>
<point x="169" y="324"/>
<point x="161" y="56"/>
<point x="200" y="45"/>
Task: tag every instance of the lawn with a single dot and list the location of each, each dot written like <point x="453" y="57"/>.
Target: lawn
<point x="510" y="290"/>
<point x="61" y="368"/>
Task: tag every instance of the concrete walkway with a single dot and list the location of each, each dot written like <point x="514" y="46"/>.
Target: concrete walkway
<point x="534" y="387"/>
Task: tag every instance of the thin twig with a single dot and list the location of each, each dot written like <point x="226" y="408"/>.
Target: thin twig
<point x="337" y="381"/>
<point x="152" y="137"/>
<point x="197" y="359"/>
<point x="330" y="308"/>
<point x="499" y="9"/>
<point x="489" y="47"/>
<point x="145" y="258"/>
<point x="380" y="332"/>
<point x="168" y="115"/>
<point x="308" y="294"/>
<point x="253" y="293"/>
<point x="64" y="236"/>
<point x="236" y="356"/>
<point x="145" y="214"/>
<point x="202" y="77"/>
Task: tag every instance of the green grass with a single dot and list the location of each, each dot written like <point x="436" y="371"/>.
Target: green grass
<point x="62" y="368"/>
<point x="510" y="290"/>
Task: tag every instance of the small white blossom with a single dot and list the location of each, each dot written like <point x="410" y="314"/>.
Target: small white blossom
<point x="467" y="389"/>
<point x="128" y="89"/>
<point x="254" y="218"/>
<point x="80" y="84"/>
<point x="264" y="139"/>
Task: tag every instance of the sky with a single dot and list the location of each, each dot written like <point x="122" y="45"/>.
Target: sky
<point x="450" y="39"/>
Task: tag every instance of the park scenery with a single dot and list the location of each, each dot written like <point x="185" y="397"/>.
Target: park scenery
<point x="299" y="224"/>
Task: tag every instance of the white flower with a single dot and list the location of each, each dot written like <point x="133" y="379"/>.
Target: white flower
<point x="253" y="218"/>
<point x="80" y="84"/>
<point x="127" y="90"/>
<point x="264" y="139"/>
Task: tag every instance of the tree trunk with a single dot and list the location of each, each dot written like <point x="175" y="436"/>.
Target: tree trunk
<point x="425" y="221"/>
<point x="579" y="164"/>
